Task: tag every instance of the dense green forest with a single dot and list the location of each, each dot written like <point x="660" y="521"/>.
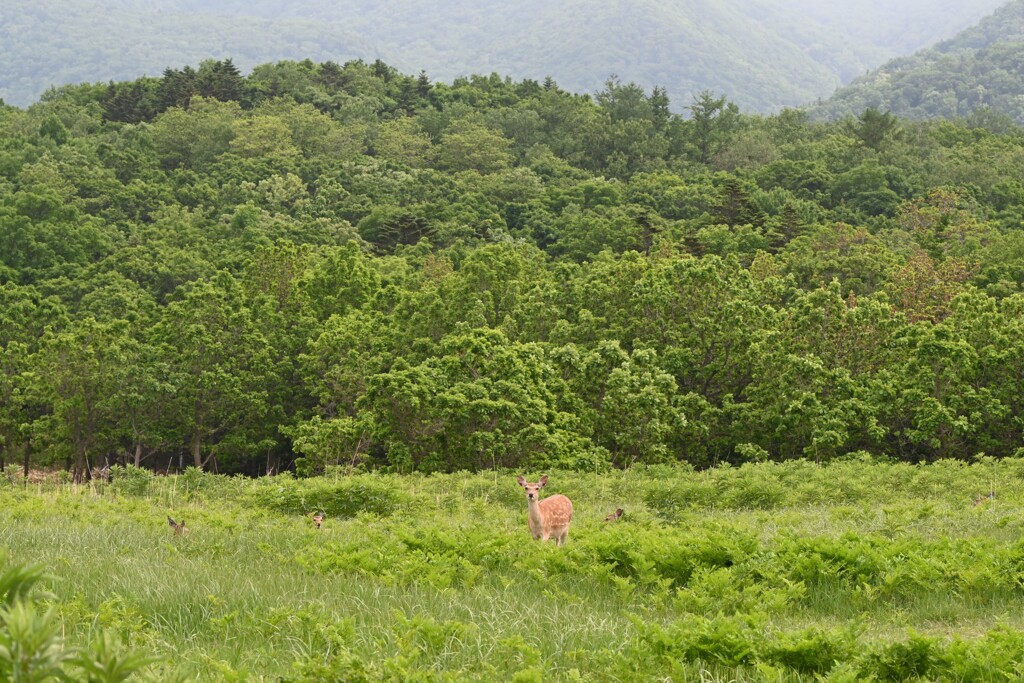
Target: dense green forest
<point x="765" y="53"/>
<point x="979" y="69"/>
<point x="325" y="264"/>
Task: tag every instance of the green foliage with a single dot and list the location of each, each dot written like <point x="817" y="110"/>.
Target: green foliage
<point x="859" y="570"/>
<point x="107" y="661"/>
<point x="343" y="498"/>
<point x="131" y="480"/>
<point x="812" y="651"/>
<point x="31" y="641"/>
<point x="901" y="661"/>
<point x="319" y="265"/>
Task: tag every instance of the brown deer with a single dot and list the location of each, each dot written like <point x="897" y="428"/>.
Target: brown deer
<point x="318" y="519"/>
<point x="179" y="527"/>
<point x="614" y="516"/>
<point x="548" y="518"/>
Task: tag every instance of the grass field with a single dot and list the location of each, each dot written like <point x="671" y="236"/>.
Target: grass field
<point x="770" y="572"/>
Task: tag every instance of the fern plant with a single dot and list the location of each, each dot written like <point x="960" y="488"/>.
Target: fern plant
<point x="31" y="647"/>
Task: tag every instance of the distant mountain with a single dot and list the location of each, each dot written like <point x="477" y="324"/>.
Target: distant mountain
<point x="981" y="68"/>
<point x="896" y="28"/>
<point x="763" y="54"/>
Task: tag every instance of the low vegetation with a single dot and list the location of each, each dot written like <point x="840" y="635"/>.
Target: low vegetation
<point x="854" y="571"/>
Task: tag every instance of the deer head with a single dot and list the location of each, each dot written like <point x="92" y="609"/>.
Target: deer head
<point x="614" y="516"/>
<point x="532" y="489"/>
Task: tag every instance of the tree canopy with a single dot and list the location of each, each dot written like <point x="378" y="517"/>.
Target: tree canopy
<point x="341" y="264"/>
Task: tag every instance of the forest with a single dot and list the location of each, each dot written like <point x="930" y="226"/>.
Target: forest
<point x="978" y="69"/>
<point x="321" y="264"/>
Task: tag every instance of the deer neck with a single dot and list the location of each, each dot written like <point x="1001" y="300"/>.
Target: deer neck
<point x="536" y="518"/>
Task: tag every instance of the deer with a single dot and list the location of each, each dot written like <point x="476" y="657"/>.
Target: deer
<point x="984" y="497"/>
<point x="614" y="516"/>
<point x="548" y="518"/>
<point x="179" y="527"/>
<point x="318" y="519"/>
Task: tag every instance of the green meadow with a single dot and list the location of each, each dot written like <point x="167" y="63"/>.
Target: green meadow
<point x="856" y="570"/>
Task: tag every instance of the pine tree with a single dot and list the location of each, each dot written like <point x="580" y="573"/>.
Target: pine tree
<point x="176" y="88"/>
<point x="331" y="76"/>
<point x="229" y="81"/>
<point x="873" y="127"/>
<point x="648" y="229"/>
<point x="711" y="123"/>
<point x="659" y="106"/>
<point x="220" y="80"/>
<point x="423" y="85"/>
<point x="736" y="208"/>
<point x="123" y="103"/>
<point x="693" y="246"/>
<point x="791" y="226"/>
<point x="382" y="71"/>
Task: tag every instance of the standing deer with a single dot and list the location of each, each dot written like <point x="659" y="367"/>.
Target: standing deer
<point x="179" y="527"/>
<point x="548" y="518"/>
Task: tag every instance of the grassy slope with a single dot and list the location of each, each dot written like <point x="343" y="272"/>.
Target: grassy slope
<point x="442" y="579"/>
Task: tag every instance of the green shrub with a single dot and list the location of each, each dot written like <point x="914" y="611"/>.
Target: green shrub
<point x="130" y="480"/>
<point x="343" y="498"/>
<point x="193" y="480"/>
<point x="998" y="655"/>
<point x="32" y="648"/>
<point x="729" y="641"/>
<point x="902" y="661"/>
<point x="812" y="651"/>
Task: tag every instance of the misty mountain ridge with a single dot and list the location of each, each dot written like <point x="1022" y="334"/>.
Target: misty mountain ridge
<point x="981" y="69"/>
<point x="763" y="54"/>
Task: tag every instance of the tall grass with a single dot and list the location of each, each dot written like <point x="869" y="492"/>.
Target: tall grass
<point x="789" y="572"/>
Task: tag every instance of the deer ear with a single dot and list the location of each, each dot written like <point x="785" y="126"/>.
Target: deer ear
<point x="543" y="480"/>
<point x="521" y="480"/>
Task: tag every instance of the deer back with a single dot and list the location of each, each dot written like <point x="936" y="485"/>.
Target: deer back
<point x="556" y="511"/>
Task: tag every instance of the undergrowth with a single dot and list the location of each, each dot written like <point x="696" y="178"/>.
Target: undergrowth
<point x="857" y="570"/>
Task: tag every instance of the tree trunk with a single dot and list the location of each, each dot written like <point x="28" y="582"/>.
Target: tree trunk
<point x="138" y="453"/>
<point x="79" y="475"/>
<point x="197" y="457"/>
<point x="28" y="454"/>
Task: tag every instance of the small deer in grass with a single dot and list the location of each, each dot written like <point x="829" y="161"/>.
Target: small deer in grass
<point x="548" y="518"/>
<point x="318" y="519"/>
<point x="179" y="527"/>
<point x="614" y="516"/>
